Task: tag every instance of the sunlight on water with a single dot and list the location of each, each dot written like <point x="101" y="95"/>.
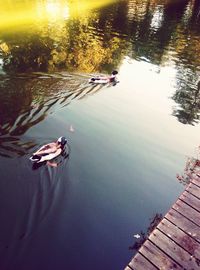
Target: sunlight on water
<point x="52" y="10"/>
<point x="20" y="13"/>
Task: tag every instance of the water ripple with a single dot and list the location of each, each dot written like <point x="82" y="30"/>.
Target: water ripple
<point x="39" y="98"/>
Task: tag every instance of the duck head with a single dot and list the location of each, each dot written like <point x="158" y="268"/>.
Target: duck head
<point x="115" y="72"/>
<point x="62" y="141"/>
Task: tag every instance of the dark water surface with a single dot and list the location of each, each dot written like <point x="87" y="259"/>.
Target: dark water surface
<point x="126" y="142"/>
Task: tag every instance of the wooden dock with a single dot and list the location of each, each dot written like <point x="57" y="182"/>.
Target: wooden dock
<point x="175" y="243"/>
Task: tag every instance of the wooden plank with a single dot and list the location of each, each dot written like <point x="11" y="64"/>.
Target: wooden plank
<point x="196" y="181"/>
<point x="187" y="211"/>
<point x="194" y="190"/>
<point x="175" y="243"/>
<point x="191" y="200"/>
<point x="158" y="257"/>
<point x="174" y="251"/>
<point x="139" y="262"/>
<point x="184" y="224"/>
<point x="180" y="237"/>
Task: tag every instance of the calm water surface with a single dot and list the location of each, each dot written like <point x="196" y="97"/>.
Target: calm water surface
<point x="126" y="142"/>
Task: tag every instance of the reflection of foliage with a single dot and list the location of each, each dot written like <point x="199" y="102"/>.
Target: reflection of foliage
<point x="88" y="52"/>
<point x="72" y="46"/>
<point x="12" y="146"/>
<point x="191" y="169"/>
<point x="188" y="97"/>
<point x="187" y="46"/>
<point x="33" y="53"/>
<point x="153" y="223"/>
<point x="33" y="98"/>
<point x="90" y="43"/>
<point x="157" y="31"/>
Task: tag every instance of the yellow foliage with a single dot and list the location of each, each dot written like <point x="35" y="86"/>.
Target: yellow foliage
<point x="4" y="47"/>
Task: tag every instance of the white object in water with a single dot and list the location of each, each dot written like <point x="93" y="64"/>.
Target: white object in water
<point x="136" y="236"/>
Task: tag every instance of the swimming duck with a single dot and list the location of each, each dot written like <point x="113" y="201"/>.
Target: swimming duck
<point x="100" y="79"/>
<point x="49" y="151"/>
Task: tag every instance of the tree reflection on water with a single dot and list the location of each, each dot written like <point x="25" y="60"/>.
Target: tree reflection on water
<point x="73" y="46"/>
<point x="161" y="32"/>
<point x="103" y="37"/>
<point x="189" y="99"/>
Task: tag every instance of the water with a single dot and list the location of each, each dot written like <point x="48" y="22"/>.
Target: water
<point x="127" y="142"/>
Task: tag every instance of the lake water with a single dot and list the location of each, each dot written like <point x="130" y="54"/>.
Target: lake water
<point x="126" y="142"/>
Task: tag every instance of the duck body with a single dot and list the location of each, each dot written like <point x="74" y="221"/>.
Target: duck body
<point x="100" y="80"/>
<point x="45" y="157"/>
<point x="104" y="80"/>
<point x="49" y="151"/>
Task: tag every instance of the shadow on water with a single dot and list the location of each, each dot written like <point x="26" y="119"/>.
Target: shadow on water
<point x="33" y="99"/>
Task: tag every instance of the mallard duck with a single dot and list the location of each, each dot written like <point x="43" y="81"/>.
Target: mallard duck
<point x="49" y="151"/>
<point x="100" y="79"/>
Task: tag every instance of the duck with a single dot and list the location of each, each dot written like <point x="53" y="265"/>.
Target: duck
<point x="49" y="151"/>
<point x="104" y="79"/>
